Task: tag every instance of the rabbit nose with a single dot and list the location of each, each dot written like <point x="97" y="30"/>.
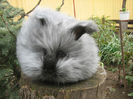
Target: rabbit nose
<point x="49" y="64"/>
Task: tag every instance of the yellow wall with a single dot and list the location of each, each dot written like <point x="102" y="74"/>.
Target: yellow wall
<point x="84" y="8"/>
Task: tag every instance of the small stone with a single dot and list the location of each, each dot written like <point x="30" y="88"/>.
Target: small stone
<point x="123" y="92"/>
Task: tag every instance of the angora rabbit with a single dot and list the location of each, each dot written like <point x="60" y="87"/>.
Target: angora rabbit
<point x="54" y="47"/>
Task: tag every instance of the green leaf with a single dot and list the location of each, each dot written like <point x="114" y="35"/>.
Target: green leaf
<point x="130" y="94"/>
<point x="128" y="77"/>
<point x="5" y="73"/>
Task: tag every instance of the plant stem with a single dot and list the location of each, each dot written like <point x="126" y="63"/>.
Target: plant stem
<point x="26" y="14"/>
<point x="119" y="75"/>
<point x="61" y="5"/>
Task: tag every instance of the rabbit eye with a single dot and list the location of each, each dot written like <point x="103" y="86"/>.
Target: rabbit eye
<point x="60" y="54"/>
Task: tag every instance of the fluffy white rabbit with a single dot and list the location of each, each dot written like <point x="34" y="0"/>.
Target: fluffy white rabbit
<point x="54" y="47"/>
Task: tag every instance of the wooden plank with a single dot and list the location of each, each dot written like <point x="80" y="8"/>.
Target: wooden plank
<point x="118" y="21"/>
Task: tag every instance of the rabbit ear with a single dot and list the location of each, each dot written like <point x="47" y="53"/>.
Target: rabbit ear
<point x="42" y="19"/>
<point x="84" y="27"/>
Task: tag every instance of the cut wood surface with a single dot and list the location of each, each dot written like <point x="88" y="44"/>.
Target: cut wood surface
<point x="93" y="88"/>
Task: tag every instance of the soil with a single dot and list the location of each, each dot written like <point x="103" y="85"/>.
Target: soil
<point x="114" y="90"/>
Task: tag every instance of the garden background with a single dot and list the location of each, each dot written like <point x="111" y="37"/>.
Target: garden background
<point x="108" y="40"/>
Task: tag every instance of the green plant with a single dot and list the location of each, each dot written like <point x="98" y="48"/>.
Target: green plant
<point x="9" y="26"/>
<point x="109" y="42"/>
<point x="123" y="9"/>
<point x="130" y="94"/>
<point x="109" y="46"/>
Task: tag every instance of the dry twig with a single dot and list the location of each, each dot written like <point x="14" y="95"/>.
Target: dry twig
<point x="26" y="14"/>
<point x="7" y="26"/>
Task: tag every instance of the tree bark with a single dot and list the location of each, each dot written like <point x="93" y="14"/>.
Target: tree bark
<point x="93" y="88"/>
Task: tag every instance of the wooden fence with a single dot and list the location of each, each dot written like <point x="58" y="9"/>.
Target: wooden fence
<point x="84" y="8"/>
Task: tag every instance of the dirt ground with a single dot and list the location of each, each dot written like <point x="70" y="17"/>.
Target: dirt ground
<point x="114" y="90"/>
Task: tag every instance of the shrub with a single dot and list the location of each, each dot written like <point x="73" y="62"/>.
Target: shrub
<point x="9" y="26"/>
<point x="110" y="48"/>
<point x="109" y="43"/>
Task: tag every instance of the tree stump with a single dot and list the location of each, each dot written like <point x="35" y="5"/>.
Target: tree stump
<point x="93" y="88"/>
